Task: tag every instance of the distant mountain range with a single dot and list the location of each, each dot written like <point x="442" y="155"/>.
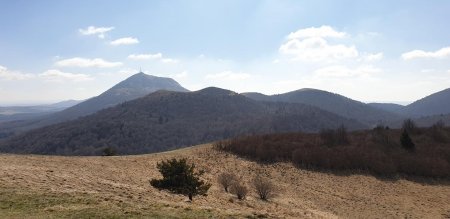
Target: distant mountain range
<point x="11" y="113"/>
<point x="331" y="102"/>
<point x="167" y="120"/>
<point x="133" y="87"/>
<point x="147" y="114"/>
<point x="425" y="111"/>
<point x="11" y="110"/>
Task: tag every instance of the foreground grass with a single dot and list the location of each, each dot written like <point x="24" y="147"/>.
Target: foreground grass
<point x="14" y="204"/>
<point x="34" y="186"/>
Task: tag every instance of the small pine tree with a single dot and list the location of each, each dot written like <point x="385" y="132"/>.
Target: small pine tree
<point x="109" y="151"/>
<point x="179" y="177"/>
<point x="407" y="142"/>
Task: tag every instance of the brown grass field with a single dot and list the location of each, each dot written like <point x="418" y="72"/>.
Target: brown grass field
<point x="33" y="186"/>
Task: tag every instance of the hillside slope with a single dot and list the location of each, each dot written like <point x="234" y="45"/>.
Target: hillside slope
<point x="331" y="102"/>
<point x="390" y="107"/>
<point x="96" y="187"/>
<point x="434" y="104"/>
<point x="427" y="121"/>
<point x="167" y="120"/>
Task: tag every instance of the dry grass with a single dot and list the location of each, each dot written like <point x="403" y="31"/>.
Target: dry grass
<point x="55" y="186"/>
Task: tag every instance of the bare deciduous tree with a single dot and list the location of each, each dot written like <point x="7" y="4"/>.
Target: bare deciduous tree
<point x="239" y="190"/>
<point x="409" y="126"/>
<point x="264" y="188"/>
<point x="227" y="180"/>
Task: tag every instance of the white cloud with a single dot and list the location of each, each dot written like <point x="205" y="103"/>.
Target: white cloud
<point x="125" y="41"/>
<point x="86" y="63"/>
<point x="156" y="56"/>
<point x="441" y="53"/>
<point x="344" y="71"/>
<point x="13" y="75"/>
<point x="374" y="57"/>
<point x="316" y="49"/>
<point x="321" y="32"/>
<point x="98" y="31"/>
<point x="169" y="61"/>
<point x="145" y="56"/>
<point x="59" y="76"/>
<point x="229" y="75"/>
<point x="311" y="45"/>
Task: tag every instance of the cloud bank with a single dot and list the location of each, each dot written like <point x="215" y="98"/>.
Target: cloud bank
<point x="86" y="63"/>
<point x="416" y="54"/>
<point x="125" y="41"/>
<point x="311" y="45"/>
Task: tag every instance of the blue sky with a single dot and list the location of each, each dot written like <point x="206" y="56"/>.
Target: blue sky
<point x="366" y="50"/>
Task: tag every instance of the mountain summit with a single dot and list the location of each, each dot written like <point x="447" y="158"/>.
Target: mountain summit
<point x="136" y="86"/>
<point x="141" y="84"/>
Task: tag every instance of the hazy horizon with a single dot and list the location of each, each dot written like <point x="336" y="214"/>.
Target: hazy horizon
<point x="369" y="51"/>
<point x="34" y="102"/>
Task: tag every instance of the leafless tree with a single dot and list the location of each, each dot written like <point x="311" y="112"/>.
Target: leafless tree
<point x="409" y="126"/>
<point x="239" y="190"/>
<point x="226" y="180"/>
<point x="264" y="188"/>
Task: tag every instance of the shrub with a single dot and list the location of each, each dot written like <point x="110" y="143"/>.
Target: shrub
<point x="109" y="151"/>
<point x="362" y="154"/>
<point x="221" y="145"/>
<point x="226" y="180"/>
<point x="239" y="190"/>
<point x="264" y="188"/>
<point x="327" y="136"/>
<point x="380" y="135"/>
<point x="179" y="177"/>
<point x="409" y="126"/>
<point x="332" y="137"/>
<point x="437" y="132"/>
<point x="341" y="135"/>
<point x="407" y="142"/>
<point x="439" y="124"/>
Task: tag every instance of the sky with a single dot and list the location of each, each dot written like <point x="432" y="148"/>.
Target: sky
<point x="371" y="51"/>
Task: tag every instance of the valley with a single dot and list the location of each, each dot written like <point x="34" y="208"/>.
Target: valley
<point x="224" y="109"/>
